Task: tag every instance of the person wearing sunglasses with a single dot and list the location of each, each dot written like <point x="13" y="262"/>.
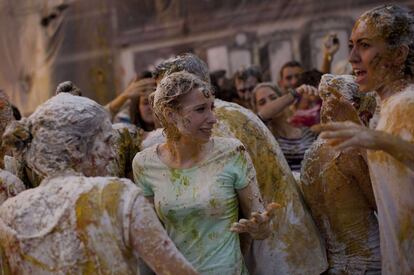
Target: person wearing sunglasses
<point x="245" y="80"/>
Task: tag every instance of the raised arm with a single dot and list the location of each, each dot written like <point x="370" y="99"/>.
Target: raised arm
<point x="152" y="243"/>
<point x="275" y="107"/>
<point x="330" y="47"/>
<point x="134" y="89"/>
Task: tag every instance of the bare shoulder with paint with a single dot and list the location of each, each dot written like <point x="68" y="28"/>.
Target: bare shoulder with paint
<point x="230" y="144"/>
<point x="396" y="116"/>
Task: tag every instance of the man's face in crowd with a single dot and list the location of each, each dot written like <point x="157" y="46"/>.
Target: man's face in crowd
<point x="290" y="77"/>
<point x="245" y="87"/>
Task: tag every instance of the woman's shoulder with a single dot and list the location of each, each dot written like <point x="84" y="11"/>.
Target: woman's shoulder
<point x="399" y="105"/>
<point x="227" y="142"/>
<point x="405" y="97"/>
<point x="148" y="155"/>
<point x="225" y="146"/>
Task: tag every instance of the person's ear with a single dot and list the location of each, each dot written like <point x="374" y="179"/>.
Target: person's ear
<point x="401" y="54"/>
<point x="171" y="116"/>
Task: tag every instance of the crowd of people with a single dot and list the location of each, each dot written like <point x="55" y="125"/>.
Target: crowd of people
<point x="190" y="172"/>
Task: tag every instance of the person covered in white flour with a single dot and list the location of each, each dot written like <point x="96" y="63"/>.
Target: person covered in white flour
<point x="382" y="57"/>
<point x="198" y="183"/>
<point x="75" y="222"/>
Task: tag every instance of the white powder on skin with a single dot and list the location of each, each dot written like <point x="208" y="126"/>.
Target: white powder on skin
<point x="10" y="185"/>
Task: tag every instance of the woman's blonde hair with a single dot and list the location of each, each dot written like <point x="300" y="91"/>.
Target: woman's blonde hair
<point x="396" y="24"/>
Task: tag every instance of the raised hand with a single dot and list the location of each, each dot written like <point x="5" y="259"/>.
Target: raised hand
<point x="140" y="87"/>
<point x="331" y="44"/>
<point x="307" y="90"/>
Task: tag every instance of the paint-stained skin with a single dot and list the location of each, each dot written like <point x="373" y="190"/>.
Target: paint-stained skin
<point x="391" y="30"/>
<point x="84" y="221"/>
<point x="397" y="229"/>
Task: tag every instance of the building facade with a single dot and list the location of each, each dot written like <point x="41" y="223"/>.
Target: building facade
<point x="107" y="42"/>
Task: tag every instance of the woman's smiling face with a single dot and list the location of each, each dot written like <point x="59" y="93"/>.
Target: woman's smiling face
<point x="196" y="118"/>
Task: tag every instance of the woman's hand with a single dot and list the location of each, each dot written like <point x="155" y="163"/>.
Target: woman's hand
<point x="342" y="135"/>
<point x="346" y="134"/>
<point x="307" y="90"/>
<point x="258" y="226"/>
<point x="135" y="88"/>
<point x="331" y="44"/>
<point x="139" y="87"/>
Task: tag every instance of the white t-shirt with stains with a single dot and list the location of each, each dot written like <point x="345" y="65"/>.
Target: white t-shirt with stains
<point x="393" y="185"/>
<point x="198" y="205"/>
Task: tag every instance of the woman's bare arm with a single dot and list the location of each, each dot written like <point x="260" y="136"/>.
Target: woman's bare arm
<point x="348" y="134"/>
<point x="251" y="204"/>
<point x="152" y="243"/>
<point x="276" y="106"/>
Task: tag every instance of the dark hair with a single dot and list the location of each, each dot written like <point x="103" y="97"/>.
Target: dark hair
<point x="144" y="74"/>
<point x="134" y="113"/>
<point x="226" y="91"/>
<point x="244" y="73"/>
<point x="396" y="23"/>
<point x="16" y="113"/>
<point x="292" y="63"/>
<point x="312" y="77"/>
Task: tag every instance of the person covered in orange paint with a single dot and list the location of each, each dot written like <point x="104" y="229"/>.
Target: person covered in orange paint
<point x="382" y="57"/>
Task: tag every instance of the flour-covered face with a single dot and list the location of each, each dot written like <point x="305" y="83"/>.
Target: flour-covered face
<point x="195" y="118"/>
<point x="372" y="61"/>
